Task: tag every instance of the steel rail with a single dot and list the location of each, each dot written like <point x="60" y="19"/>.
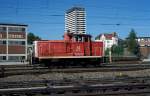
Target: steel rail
<point x="101" y="89"/>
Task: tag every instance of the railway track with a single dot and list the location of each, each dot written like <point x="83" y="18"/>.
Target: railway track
<point x="35" y="83"/>
<point x="77" y="87"/>
<point x="21" y="70"/>
<point x="80" y="89"/>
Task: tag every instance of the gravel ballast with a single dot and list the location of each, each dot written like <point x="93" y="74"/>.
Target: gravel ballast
<point x="84" y="75"/>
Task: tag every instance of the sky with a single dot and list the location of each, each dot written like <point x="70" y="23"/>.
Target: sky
<point x="45" y="18"/>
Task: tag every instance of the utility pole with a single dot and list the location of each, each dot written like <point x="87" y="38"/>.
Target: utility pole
<point x="110" y="57"/>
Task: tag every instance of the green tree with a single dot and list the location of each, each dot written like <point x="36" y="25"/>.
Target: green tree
<point x="117" y="50"/>
<point x="132" y="44"/>
<point x="107" y="52"/>
<point x="32" y="37"/>
<point x="122" y="42"/>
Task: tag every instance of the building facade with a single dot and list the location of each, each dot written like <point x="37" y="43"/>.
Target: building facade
<point x="13" y="42"/>
<point x="143" y="41"/>
<point x="75" y="20"/>
<point x="109" y="39"/>
<point x="144" y="46"/>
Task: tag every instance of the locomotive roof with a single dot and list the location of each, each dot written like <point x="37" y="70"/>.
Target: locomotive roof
<point x="88" y="35"/>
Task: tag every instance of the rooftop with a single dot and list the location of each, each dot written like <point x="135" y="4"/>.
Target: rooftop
<point x="75" y="8"/>
<point x="13" y="24"/>
<point x="143" y="37"/>
<point x="86" y="35"/>
<point x="107" y="35"/>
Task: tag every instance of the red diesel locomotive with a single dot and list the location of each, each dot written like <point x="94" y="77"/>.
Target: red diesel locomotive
<point x="75" y="49"/>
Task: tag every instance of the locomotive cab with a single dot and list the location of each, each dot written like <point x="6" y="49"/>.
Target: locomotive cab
<point x="77" y="37"/>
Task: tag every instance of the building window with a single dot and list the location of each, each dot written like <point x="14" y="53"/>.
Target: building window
<point x="22" y="42"/>
<point x="2" y="42"/>
<point x="15" y="36"/>
<point x="16" y="29"/>
<point x="16" y="58"/>
<point x="2" y="29"/>
<point x="2" y="57"/>
<point x="16" y="42"/>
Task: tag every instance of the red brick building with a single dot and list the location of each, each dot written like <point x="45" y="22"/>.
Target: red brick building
<point x="13" y="42"/>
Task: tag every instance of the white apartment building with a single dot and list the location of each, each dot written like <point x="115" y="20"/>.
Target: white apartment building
<point x="75" y="20"/>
